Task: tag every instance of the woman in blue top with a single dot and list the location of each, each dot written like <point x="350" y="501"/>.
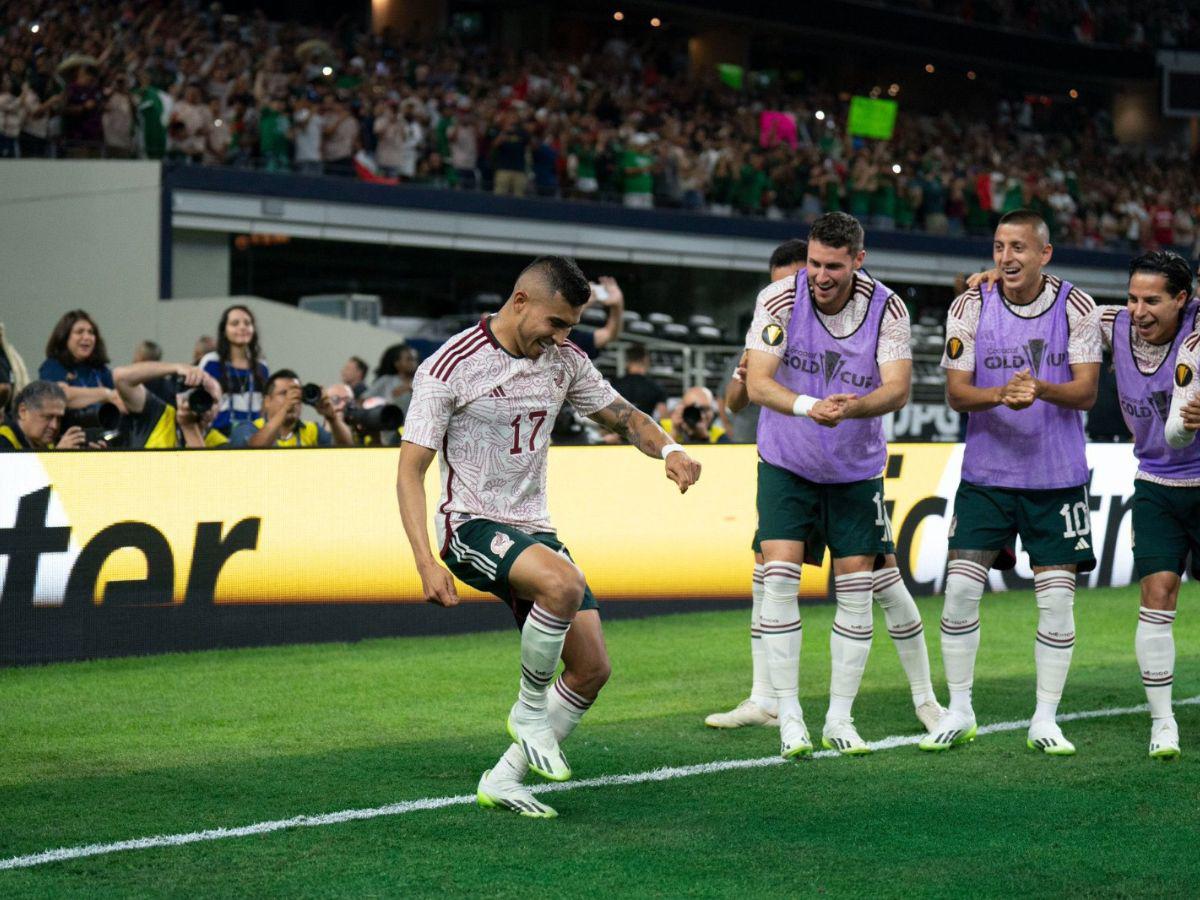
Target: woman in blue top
<point x="77" y="359"/>
<point x="238" y="366"/>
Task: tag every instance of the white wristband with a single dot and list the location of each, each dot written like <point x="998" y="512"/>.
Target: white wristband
<point x="803" y="404"/>
<point x="671" y="448"/>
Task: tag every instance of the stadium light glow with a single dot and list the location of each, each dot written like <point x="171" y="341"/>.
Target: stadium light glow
<point x="929" y="68"/>
<point x="819" y="115"/>
<point x="327" y="71"/>
<point x="35" y="27"/>
<point x="655" y="22"/>
<point x="896" y="168"/>
<point x="619" y="16"/>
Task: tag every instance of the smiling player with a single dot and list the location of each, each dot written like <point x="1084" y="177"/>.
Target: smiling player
<point x="830" y="332"/>
<point x="1148" y="338"/>
<point x="487" y="401"/>
<point x="1023" y="358"/>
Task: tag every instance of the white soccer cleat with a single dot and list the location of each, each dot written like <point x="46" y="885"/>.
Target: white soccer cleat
<point x="745" y="713"/>
<point x="842" y="736"/>
<point x="1164" y="740"/>
<point x="504" y="793"/>
<point x="1048" y="737"/>
<point x="537" y="742"/>
<point x="952" y="730"/>
<point x="929" y="714"/>
<point x="793" y="738"/>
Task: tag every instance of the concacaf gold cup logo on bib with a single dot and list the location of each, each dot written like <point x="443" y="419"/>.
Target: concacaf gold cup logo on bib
<point x="772" y="335"/>
<point x="954" y="348"/>
<point x="1183" y="375"/>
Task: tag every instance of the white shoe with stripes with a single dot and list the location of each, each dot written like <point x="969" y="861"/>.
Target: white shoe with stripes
<point x="793" y="738"/>
<point x="537" y="742"/>
<point x="503" y="793"/>
<point x="1048" y="737"/>
<point x="842" y="736"/>
<point x="1164" y="739"/>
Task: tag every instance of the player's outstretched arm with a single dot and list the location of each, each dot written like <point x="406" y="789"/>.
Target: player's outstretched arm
<point x="1078" y="393"/>
<point x="891" y="395"/>
<point x="436" y="582"/>
<point x="644" y="433"/>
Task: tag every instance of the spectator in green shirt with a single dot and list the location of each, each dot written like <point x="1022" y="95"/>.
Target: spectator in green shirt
<point x="637" y="167"/>
<point x="274" y="133"/>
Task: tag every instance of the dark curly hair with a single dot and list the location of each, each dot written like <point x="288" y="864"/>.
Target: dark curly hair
<point x="56" y="347"/>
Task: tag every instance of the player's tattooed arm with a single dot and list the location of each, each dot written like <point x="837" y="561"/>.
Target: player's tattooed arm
<point x="644" y="433"/>
<point x="623" y="418"/>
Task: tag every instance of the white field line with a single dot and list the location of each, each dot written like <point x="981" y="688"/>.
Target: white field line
<point x="668" y="773"/>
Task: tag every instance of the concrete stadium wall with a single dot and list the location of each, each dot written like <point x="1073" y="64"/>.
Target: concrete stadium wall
<point x="79" y="235"/>
<point x="315" y="346"/>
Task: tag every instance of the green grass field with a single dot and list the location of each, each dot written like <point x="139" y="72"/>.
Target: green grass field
<point x="113" y="750"/>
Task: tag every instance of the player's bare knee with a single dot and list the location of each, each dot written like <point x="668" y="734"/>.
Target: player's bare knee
<point x="561" y="591"/>
<point x="1160" y="593"/>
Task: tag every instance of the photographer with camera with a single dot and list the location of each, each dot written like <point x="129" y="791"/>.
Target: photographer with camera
<point x="37" y="421"/>
<point x="151" y="423"/>
<point x="373" y="422"/>
<point x="280" y="424"/>
<point x="691" y="420"/>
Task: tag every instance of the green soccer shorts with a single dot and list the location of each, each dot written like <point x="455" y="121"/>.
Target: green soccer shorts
<point x="1166" y="527"/>
<point x="1055" y="525"/>
<point x="849" y="518"/>
<point x="481" y="553"/>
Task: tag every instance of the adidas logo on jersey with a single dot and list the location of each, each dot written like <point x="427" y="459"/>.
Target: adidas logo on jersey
<point x="1082" y="544"/>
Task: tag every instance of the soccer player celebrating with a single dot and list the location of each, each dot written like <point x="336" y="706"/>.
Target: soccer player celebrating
<point x="1023" y="358"/>
<point x="828" y="356"/>
<point x="903" y="618"/>
<point x="486" y="400"/>
<point x="1150" y="333"/>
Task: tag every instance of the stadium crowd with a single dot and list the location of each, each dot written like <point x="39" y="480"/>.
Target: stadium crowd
<point x="1136" y="24"/>
<point x="622" y="124"/>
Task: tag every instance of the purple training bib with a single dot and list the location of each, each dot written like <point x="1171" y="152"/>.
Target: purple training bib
<point x="1146" y="401"/>
<point x="818" y="364"/>
<point x="1040" y="447"/>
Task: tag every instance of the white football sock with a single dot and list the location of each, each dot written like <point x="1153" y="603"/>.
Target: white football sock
<point x="965" y="581"/>
<point x="1155" y="644"/>
<point x="779" y="622"/>
<point x="908" y="634"/>
<point x="761" y="691"/>
<point x="541" y="646"/>
<point x="849" y="641"/>
<point x="1055" y="592"/>
<point x="565" y="708"/>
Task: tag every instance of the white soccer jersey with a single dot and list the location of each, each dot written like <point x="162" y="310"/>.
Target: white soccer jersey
<point x="490" y="414"/>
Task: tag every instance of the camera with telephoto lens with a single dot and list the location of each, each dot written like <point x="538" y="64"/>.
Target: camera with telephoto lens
<point x="385" y="417"/>
<point x="100" y="422"/>
<point x="200" y="401"/>
<point x="692" y="416"/>
<point x="311" y="394"/>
